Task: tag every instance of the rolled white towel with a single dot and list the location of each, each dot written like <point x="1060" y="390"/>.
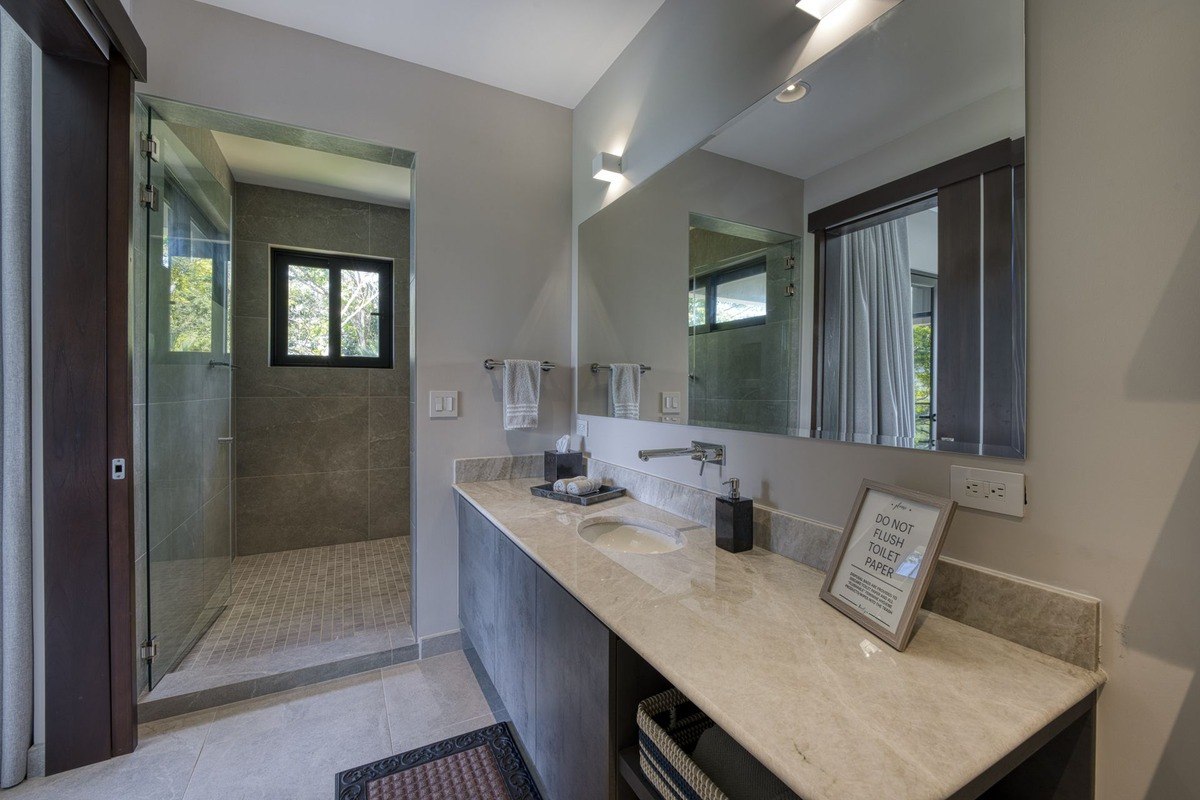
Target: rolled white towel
<point x="582" y="486"/>
<point x="560" y="485"/>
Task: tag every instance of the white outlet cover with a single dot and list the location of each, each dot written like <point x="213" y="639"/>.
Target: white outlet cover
<point x="999" y="492"/>
<point x="581" y="427"/>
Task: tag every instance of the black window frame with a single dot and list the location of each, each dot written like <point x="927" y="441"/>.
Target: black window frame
<point x="336" y="263"/>
<point x="712" y="280"/>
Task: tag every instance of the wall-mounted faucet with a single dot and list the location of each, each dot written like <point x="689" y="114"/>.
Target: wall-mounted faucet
<point x="704" y="452"/>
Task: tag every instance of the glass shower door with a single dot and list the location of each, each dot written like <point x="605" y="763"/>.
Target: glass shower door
<point x="188" y="396"/>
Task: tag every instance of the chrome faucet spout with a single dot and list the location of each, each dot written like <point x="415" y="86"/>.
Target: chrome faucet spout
<point x="704" y="452"/>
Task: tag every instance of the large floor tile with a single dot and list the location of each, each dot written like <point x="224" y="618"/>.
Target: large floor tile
<point x="292" y="745"/>
<point x="425" y="697"/>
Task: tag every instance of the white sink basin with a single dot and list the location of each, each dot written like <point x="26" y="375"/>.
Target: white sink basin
<point x="629" y="535"/>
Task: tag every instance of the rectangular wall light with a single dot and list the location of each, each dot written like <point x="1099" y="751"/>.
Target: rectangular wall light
<point x="606" y="167"/>
<point x="818" y="8"/>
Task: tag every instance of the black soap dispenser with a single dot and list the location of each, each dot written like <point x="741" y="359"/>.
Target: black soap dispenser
<point x="735" y="519"/>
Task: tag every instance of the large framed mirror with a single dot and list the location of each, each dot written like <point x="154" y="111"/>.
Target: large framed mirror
<point x="844" y="260"/>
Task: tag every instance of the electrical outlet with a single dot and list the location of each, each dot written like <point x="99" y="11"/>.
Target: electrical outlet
<point x="581" y="426"/>
<point x="988" y="489"/>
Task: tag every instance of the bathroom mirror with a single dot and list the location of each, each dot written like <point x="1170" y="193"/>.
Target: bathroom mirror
<point x="845" y="260"/>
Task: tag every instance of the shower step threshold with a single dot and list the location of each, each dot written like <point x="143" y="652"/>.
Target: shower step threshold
<point x="196" y="689"/>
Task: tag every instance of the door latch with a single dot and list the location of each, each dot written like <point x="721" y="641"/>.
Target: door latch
<point x="118" y="469"/>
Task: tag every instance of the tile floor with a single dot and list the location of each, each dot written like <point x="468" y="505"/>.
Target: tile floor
<point x="311" y="596"/>
<point x="287" y="746"/>
<point x="296" y="617"/>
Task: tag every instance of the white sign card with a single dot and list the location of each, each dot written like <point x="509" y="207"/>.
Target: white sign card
<point x="886" y="558"/>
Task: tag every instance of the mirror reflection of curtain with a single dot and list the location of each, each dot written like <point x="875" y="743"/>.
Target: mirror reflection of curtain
<point x="876" y="375"/>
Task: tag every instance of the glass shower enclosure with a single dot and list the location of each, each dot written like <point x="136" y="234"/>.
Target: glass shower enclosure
<point x="187" y="392"/>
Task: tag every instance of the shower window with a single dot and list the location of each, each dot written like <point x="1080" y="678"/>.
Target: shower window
<point x="731" y="298"/>
<point x="330" y="310"/>
<point x="195" y="260"/>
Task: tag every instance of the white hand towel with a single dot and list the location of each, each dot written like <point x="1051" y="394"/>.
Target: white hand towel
<point x="581" y="486"/>
<point x="522" y="393"/>
<point x="625" y="385"/>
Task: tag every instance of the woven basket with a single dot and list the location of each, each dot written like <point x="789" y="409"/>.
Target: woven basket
<point x="669" y="725"/>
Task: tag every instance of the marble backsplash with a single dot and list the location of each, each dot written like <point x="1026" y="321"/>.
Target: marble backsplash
<point x="1053" y="621"/>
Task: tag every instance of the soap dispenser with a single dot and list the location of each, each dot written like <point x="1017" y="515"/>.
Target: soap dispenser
<point x="735" y="519"/>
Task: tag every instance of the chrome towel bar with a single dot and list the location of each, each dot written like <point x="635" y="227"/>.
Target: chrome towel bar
<point x="492" y="363"/>
<point x="597" y="367"/>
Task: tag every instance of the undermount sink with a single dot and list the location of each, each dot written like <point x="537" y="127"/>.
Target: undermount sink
<point x="629" y="535"/>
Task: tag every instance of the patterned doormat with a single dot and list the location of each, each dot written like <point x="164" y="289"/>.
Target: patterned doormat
<point x="482" y="765"/>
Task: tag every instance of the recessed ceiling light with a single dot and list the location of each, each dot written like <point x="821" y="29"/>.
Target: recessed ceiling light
<point x="793" y="92"/>
<point x="818" y="8"/>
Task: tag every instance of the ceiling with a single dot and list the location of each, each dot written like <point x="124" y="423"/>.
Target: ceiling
<point x="554" y="50"/>
<point x="301" y="169"/>
<point x="917" y="64"/>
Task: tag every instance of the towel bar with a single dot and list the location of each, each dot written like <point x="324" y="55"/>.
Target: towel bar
<point x="491" y="363"/>
<point x="597" y="367"/>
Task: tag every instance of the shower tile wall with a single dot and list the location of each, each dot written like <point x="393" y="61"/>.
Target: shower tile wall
<point x="322" y="453"/>
<point x="742" y="376"/>
<point x="201" y="485"/>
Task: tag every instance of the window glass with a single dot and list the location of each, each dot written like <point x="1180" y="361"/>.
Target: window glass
<point x="307" y="311"/>
<point x="360" y="313"/>
<point x="741" y="299"/>
<point x="698" y="306"/>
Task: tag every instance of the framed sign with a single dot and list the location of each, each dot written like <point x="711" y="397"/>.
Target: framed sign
<point x="886" y="558"/>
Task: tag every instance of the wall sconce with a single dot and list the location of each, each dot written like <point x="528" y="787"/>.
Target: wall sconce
<point x="818" y="8"/>
<point x="606" y="167"/>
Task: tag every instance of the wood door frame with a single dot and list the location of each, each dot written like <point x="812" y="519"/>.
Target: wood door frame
<point x="87" y="207"/>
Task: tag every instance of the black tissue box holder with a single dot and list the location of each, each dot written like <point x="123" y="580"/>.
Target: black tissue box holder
<point x="563" y="465"/>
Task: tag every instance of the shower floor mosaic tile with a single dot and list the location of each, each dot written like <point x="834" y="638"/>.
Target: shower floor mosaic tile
<point x="295" y="618"/>
<point x="310" y="596"/>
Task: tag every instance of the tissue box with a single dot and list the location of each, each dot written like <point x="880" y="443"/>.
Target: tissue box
<point x="563" y="465"/>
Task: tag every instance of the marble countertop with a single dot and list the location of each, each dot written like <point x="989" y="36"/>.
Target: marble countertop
<point x="833" y="711"/>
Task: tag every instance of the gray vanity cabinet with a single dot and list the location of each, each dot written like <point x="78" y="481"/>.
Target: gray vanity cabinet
<point x="478" y="545"/>
<point x="516" y="636"/>
<point x="574" y="752"/>
<point x="570" y="685"/>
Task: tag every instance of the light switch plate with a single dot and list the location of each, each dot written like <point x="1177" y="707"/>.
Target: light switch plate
<point x="671" y="402"/>
<point x="443" y="404"/>
<point x="989" y="490"/>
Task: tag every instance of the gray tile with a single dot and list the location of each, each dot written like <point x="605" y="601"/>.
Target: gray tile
<point x="442" y="643"/>
<point x="389" y="238"/>
<point x="389" y="435"/>
<point x="293" y="435"/>
<point x="390" y="503"/>
<point x="299" y="741"/>
<point x="300" y="219"/>
<point x="255" y="377"/>
<point x="393" y="382"/>
<point x="430" y="694"/>
<point x="251" y="278"/>
<point x="284" y="512"/>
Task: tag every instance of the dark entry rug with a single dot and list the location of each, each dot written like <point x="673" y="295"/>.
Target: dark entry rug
<point x="482" y="765"/>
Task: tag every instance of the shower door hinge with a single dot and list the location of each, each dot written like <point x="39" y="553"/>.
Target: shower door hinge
<point x="149" y="197"/>
<point x="149" y="649"/>
<point x="150" y="146"/>
<point x="791" y="262"/>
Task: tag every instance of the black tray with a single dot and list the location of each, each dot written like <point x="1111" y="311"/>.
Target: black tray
<point x="605" y="493"/>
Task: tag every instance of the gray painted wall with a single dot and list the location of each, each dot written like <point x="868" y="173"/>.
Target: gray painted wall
<point x="1114" y="387"/>
<point x="491" y="226"/>
<point x="322" y="453"/>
